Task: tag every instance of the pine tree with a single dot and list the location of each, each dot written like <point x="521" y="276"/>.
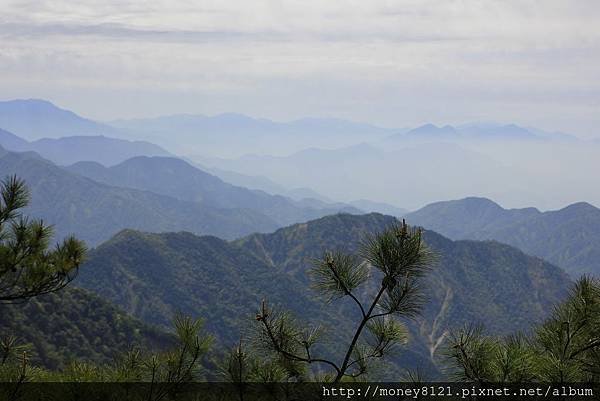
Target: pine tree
<point x="161" y="375"/>
<point x="392" y="263"/>
<point x="27" y="267"/>
<point x="565" y="348"/>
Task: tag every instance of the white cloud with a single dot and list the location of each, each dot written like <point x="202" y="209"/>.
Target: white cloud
<point x="397" y="63"/>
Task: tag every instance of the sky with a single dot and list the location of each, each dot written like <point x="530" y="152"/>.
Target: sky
<point x="392" y="63"/>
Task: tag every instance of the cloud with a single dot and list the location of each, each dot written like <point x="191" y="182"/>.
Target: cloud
<point x="116" y="31"/>
<point x="111" y="30"/>
<point x="395" y="63"/>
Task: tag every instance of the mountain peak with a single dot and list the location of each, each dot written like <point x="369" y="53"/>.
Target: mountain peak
<point x="233" y="117"/>
<point x="479" y="201"/>
<point x="468" y="203"/>
<point x="433" y="130"/>
<point x="159" y="161"/>
<point x="579" y="207"/>
<point x="30" y="101"/>
<point x="33" y="104"/>
<point x="38" y="118"/>
<point x="453" y="218"/>
<point x="103" y="149"/>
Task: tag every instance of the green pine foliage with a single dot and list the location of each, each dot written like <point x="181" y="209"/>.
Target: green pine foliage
<point x="394" y="261"/>
<point x="165" y="373"/>
<point x="48" y="324"/>
<point x="75" y="325"/>
<point x="27" y="267"/>
<point x="564" y="349"/>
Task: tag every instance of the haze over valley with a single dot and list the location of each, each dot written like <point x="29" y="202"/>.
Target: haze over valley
<point x="334" y="159"/>
<point x="299" y="191"/>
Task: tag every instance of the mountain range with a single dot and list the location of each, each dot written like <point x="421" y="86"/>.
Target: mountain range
<point x="153" y="275"/>
<point x="305" y="196"/>
<point x="188" y="134"/>
<point x="35" y="118"/>
<point x="505" y="162"/>
<point x="232" y="134"/>
<point x="178" y="179"/>
<point x="406" y="177"/>
<point x="94" y="211"/>
<point x="569" y="237"/>
<point x="415" y="173"/>
<point x="478" y="131"/>
<point x="38" y="118"/>
<point x="97" y="152"/>
<point x="151" y="194"/>
<point x="68" y="150"/>
<point x="170" y="235"/>
<point x="12" y="142"/>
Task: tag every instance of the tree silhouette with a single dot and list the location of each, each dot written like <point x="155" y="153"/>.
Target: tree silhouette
<point x="565" y="348"/>
<point x="27" y="267"/>
<point x="391" y="263"/>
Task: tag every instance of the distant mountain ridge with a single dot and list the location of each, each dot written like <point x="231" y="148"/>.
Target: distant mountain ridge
<point x="364" y="171"/>
<point x="303" y="195"/>
<point x="38" y="118"/>
<point x="347" y="164"/>
<point x="35" y="118"/>
<point x="178" y="179"/>
<point x="479" y="131"/>
<point x="473" y="214"/>
<point x="379" y="207"/>
<point x="11" y="141"/>
<point x="68" y="150"/>
<point x="95" y="211"/>
<point x="569" y="237"/>
<point x="232" y="134"/>
<point x="432" y="130"/>
<point x="240" y="123"/>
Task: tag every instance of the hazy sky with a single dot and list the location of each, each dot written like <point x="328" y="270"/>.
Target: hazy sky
<point x="394" y="63"/>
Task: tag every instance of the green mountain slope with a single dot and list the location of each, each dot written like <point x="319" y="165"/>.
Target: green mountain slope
<point x="503" y="276"/>
<point x="178" y="179"/>
<point x="151" y="275"/>
<point x="457" y="217"/>
<point x="569" y="237"/>
<point x="95" y="211"/>
<point x="75" y="324"/>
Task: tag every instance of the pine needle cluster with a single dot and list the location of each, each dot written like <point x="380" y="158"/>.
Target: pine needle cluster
<point x="389" y="267"/>
<point x="565" y="348"/>
<point x="27" y="267"/>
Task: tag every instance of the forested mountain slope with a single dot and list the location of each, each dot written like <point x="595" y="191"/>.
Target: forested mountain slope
<point x="153" y="275"/>
<point x="569" y="237"/>
<point x="75" y="324"/>
<point x="95" y="211"/>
